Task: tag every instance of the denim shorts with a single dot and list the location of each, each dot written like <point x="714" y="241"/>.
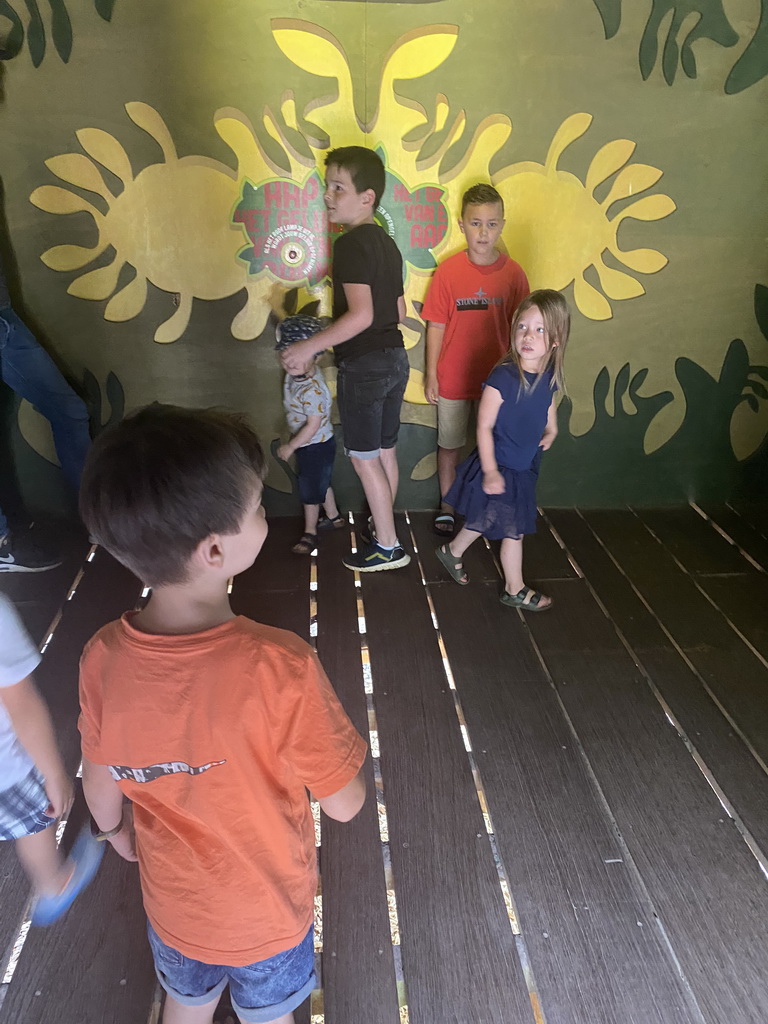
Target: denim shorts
<point x="259" y="992"/>
<point x="314" y="468"/>
<point x="23" y="808"/>
<point x="369" y="394"/>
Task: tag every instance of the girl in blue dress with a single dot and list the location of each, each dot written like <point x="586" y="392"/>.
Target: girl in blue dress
<point x="495" y="488"/>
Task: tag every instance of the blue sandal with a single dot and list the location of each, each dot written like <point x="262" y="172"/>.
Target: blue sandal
<point x="85" y="857"/>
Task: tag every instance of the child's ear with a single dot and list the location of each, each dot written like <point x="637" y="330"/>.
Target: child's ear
<point x="460" y="222"/>
<point x="209" y="553"/>
<point x="369" y="197"/>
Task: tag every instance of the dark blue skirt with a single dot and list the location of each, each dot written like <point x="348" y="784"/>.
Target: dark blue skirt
<point x="496" y="516"/>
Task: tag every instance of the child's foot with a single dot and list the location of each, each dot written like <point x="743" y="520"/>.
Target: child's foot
<point x="84" y="861"/>
<point x="527" y="599"/>
<point x="444" y="523"/>
<point x="338" y="522"/>
<point x="306" y="545"/>
<point x="452" y="564"/>
<point x="374" y="558"/>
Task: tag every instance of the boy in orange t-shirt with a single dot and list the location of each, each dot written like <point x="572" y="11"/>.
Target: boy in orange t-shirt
<point x="469" y="307"/>
<point x="212" y="725"/>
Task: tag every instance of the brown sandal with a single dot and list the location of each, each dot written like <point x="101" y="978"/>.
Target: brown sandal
<point x="306" y="545"/>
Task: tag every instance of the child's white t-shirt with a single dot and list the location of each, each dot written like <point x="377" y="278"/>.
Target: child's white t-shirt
<point x="305" y="398"/>
<point x="18" y="658"/>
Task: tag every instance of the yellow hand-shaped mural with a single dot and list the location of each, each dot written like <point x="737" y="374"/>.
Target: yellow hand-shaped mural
<point x="173" y="222"/>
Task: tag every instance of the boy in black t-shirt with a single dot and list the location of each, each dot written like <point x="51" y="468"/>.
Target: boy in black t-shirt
<point x="368" y="305"/>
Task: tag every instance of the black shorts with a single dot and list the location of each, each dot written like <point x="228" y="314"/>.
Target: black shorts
<point x="314" y="468"/>
<point x="369" y="394"/>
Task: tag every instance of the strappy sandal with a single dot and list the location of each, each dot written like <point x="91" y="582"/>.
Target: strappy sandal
<point x="337" y="523"/>
<point x="444" y="524"/>
<point x="306" y="545"/>
<point x="527" y="599"/>
<point x="452" y="565"/>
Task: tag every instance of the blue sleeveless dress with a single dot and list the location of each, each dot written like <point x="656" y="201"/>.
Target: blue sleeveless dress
<point x="517" y="434"/>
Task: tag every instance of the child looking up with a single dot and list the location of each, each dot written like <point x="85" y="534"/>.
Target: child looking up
<point x="307" y="403"/>
<point x="495" y="488"/>
<point x="468" y="309"/>
<point x="368" y="305"/>
<point x="213" y="725"/>
<point x="34" y="788"/>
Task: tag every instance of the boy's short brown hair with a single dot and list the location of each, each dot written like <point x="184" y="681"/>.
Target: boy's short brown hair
<point x="479" y="194"/>
<point x="365" y="167"/>
<point x="163" y="480"/>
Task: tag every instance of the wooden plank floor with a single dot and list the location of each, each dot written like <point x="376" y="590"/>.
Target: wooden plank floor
<point x="567" y="819"/>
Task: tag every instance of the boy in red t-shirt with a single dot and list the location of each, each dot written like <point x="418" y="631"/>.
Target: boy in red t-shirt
<point x="469" y="307"/>
<point x="212" y="725"/>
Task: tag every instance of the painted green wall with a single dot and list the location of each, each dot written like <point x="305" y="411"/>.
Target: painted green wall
<point x="667" y="384"/>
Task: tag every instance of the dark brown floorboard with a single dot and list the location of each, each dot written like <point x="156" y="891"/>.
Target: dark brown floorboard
<point x="755" y="514"/>
<point x="724" y="753"/>
<point x="92" y="967"/>
<point x="39" y="595"/>
<point x="706" y="886"/>
<point x="358" y="967"/>
<point x="104" y="592"/>
<point x="451" y="910"/>
<point x="596" y="955"/>
<point x="693" y="542"/>
<point x="275" y="590"/>
<point x="738" y="679"/>
<point x="740" y="531"/>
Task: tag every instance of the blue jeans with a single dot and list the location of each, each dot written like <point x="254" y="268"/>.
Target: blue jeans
<point x="26" y="367"/>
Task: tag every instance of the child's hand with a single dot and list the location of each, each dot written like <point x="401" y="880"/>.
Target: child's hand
<point x="430" y="390"/>
<point x="297" y="358"/>
<point x="124" y="843"/>
<point x="284" y="452"/>
<point x="493" y="482"/>
<point x="546" y="441"/>
<point x="58" y="789"/>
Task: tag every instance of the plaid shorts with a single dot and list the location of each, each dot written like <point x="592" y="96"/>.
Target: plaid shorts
<point x="23" y="807"/>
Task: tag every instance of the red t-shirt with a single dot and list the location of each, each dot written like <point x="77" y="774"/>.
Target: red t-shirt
<point x="214" y="737"/>
<point x="476" y="305"/>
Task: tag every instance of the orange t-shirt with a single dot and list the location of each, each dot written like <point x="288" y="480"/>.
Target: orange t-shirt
<point x="214" y="737"/>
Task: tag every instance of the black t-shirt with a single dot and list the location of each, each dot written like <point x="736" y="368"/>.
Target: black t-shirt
<point x="367" y="255"/>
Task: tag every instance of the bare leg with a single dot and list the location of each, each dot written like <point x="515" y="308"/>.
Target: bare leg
<point x="447" y="461"/>
<point x="462" y="540"/>
<point x="329" y="504"/>
<point x="175" y="1013"/>
<point x="512" y="564"/>
<point x="378" y="492"/>
<point x="391" y="468"/>
<point x="311" y="513"/>
<point x="47" y="870"/>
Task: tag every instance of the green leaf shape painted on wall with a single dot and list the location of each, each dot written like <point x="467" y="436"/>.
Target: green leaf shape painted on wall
<point x="34" y="32"/>
<point x="712" y="24"/>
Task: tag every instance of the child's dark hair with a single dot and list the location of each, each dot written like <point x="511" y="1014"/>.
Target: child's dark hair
<point x="479" y="194"/>
<point x="163" y="480"/>
<point x="557" y="320"/>
<point x="365" y="168"/>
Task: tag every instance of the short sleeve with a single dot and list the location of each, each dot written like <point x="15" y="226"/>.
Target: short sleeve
<point x="312" y="400"/>
<point x="18" y="655"/>
<point x="505" y="379"/>
<point x="438" y="304"/>
<point x="322" y="746"/>
<point x="89" y="722"/>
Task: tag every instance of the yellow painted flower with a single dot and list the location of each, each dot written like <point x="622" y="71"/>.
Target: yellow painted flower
<point x="557" y="229"/>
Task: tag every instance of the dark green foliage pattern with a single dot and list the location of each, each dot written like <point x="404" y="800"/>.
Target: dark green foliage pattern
<point x="712" y="24"/>
<point x="34" y="32"/>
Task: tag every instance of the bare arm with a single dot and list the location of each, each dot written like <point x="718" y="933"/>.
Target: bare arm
<point x="401" y="311"/>
<point x="359" y="317"/>
<point x="307" y="432"/>
<point x="550" y="431"/>
<point x="105" y="802"/>
<point x="490" y="403"/>
<point x="346" y="803"/>
<point x="435" y="335"/>
<point x="32" y="724"/>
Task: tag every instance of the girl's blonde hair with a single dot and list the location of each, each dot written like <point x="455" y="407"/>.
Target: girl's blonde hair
<point x="557" y="320"/>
